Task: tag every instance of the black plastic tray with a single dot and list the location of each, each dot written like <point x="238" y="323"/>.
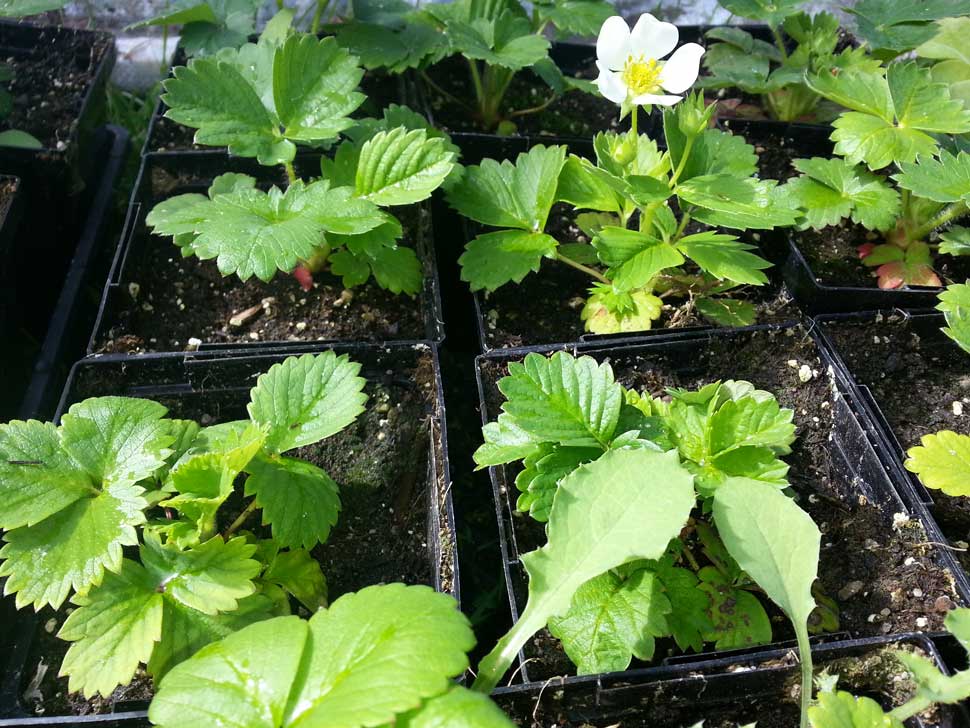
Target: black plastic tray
<point x="626" y="697"/>
<point x="164" y="175"/>
<point x="197" y="376"/>
<point x="861" y="470"/>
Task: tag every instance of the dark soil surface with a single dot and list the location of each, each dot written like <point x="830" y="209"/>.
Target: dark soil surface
<point x="166" y="300"/>
<point x="901" y="588"/>
<point x="381" y="90"/>
<point x="922" y="385"/>
<point x="770" y="698"/>
<point x="575" y="114"/>
<point x="50" y="82"/>
<point x="381" y="463"/>
<point x="545" y="307"/>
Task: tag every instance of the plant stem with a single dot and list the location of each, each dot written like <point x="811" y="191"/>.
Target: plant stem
<point x="496" y="662"/>
<point x="683" y="161"/>
<point x="290" y="172"/>
<point x="684" y="221"/>
<point x="453" y="99"/>
<point x="534" y="109"/>
<point x="779" y="41"/>
<point x="240" y="519"/>
<point x="949" y="213"/>
<point x="805" y="658"/>
<point x="912" y="707"/>
<point x="584" y="268"/>
<point x="317" y="14"/>
<point x="477" y="81"/>
<point x="279" y="4"/>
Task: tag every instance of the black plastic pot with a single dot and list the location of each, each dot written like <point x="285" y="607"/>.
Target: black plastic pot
<point x="66" y="337"/>
<point x="675" y="697"/>
<point x="221" y="382"/>
<point x="54" y="179"/>
<point x="854" y="468"/>
<point x="165" y="175"/>
<point x="927" y="326"/>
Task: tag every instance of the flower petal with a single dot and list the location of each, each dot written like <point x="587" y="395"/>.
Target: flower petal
<point x="680" y="71"/>
<point x="613" y="43"/>
<point x="644" y="99"/>
<point x="610" y="84"/>
<point x="653" y="38"/>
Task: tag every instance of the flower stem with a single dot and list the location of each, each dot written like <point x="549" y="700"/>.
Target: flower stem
<point x="584" y="268"/>
<point x="290" y="172"/>
<point x="240" y="519"/>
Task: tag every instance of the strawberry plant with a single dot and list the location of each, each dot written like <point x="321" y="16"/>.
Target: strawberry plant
<point x="262" y="101"/>
<point x="776" y="71"/>
<point x="635" y="204"/>
<point x="497" y="39"/>
<point x="123" y="510"/>
<point x="630" y="486"/>
<point x="890" y="134"/>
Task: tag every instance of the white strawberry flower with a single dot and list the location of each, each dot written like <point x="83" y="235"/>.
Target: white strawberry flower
<point x="630" y="65"/>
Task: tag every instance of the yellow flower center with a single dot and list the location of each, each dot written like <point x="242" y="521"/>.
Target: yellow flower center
<point x="641" y="76"/>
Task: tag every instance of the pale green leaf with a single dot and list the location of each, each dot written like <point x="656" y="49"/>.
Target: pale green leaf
<point x="544" y="468"/>
<point x="400" y="167"/>
<point x="457" y="707"/>
<point x="744" y="203"/>
<point x="942" y="462"/>
<point x="305" y="399"/>
<point x="494" y="259"/>
<point x="504" y="442"/>
<point x="840" y="709"/>
<point x="955" y="305"/>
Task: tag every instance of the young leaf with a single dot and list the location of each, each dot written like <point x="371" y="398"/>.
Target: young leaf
<point x="494" y="259"/>
<point x="625" y="506"/>
<point x="611" y="311"/>
<point x="839" y="709"/>
<point x="955" y="305"/>
<point x="400" y="167"/>
<point x="408" y="639"/>
<point x="511" y="196"/>
<point x="942" y="462"/>
<point x="562" y="399"/>
<point x="831" y="190"/>
<point x="305" y="399"/>
<point x="613" y="617"/>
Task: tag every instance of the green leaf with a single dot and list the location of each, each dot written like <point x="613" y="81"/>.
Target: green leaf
<point x="507" y="41"/>
<point x="494" y="259"/>
<point x="299" y="574"/>
<point x="401" y="167"/>
<point x="544" y="468"/>
<point x="931" y="684"/>
<point x="774" y="541"/>
<point x="725" y="257"/>
<point x="505" y="442"/>
<point x="396" y="49"/>
<point x="688" y="619"/>
<point x="19" y="139"/>
<point x="943" y="179"/>
<point x="900" y="27"/>
<point x="457" y="707"/>
<point x="735" y="66"/>
<point x="511" y="196"/>
<point x="942" y="462"/>
<point x="113" y="630"/>
<point x="72" y="548"/>
<point x="299" y="500"/>
<point x="750" y="422"/>
<point x="955" y="304"/>
<point x="840" y="709"/>
<point x="831" y="190"/>
<point x="727" y="312"/>
<point x="305" y="399"/>
<point x="587" y="187"/>
<point x="408" y="639"/>
<point x="210" y="578"/>
<point x="612" y="619"/>
<point x="611" y="312"/>
<point x="23" y="8"/>
<point x="737" y="617"/>
<point x="398" y="270"/>
<point x="957" y="623"/>
<point x="772" y="12"/>
<point x="562" y="399"/>
<point x="955" y="241"/>
<point x="728" y="201"/>
<point x="627" y="505"/>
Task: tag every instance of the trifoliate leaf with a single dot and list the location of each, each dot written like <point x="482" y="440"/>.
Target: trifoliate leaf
<point x="408" y="639"/>
<point x="943" y="179"/>
<point x="494" y="259"/>
<point x="613" y="618"/>
<point x="840" y="709"/>
<point x="955" y="305"/>
<point x="942" y="462"/>
<point x="772" y="12"/>
<point x="728" y="201"/>
<point x="725" y="257"/>
<point x="305" y="399"/>
<point x="738" y="619"/>
<point x="726" y="312"/>
<point x="507" y="41"/>
<point x="113" y="630"/>
<point x="831" y="190"/>
<point x="602" y="316"/>
<point x="900" y="27"/>
<point x="299" y="500"/>
<point x="71" y="549"/>
<point x="210" y="578"/>
<point x="562" y="399"/>
<point x="458" y="706"/>
<point x="314" y="84"/>
<point x="299" y="574"/>
<point x="544" y="469"/>
<point x="627" y="505"/>
<point x="400" y="167"/>
<point x="511" y="196"/>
